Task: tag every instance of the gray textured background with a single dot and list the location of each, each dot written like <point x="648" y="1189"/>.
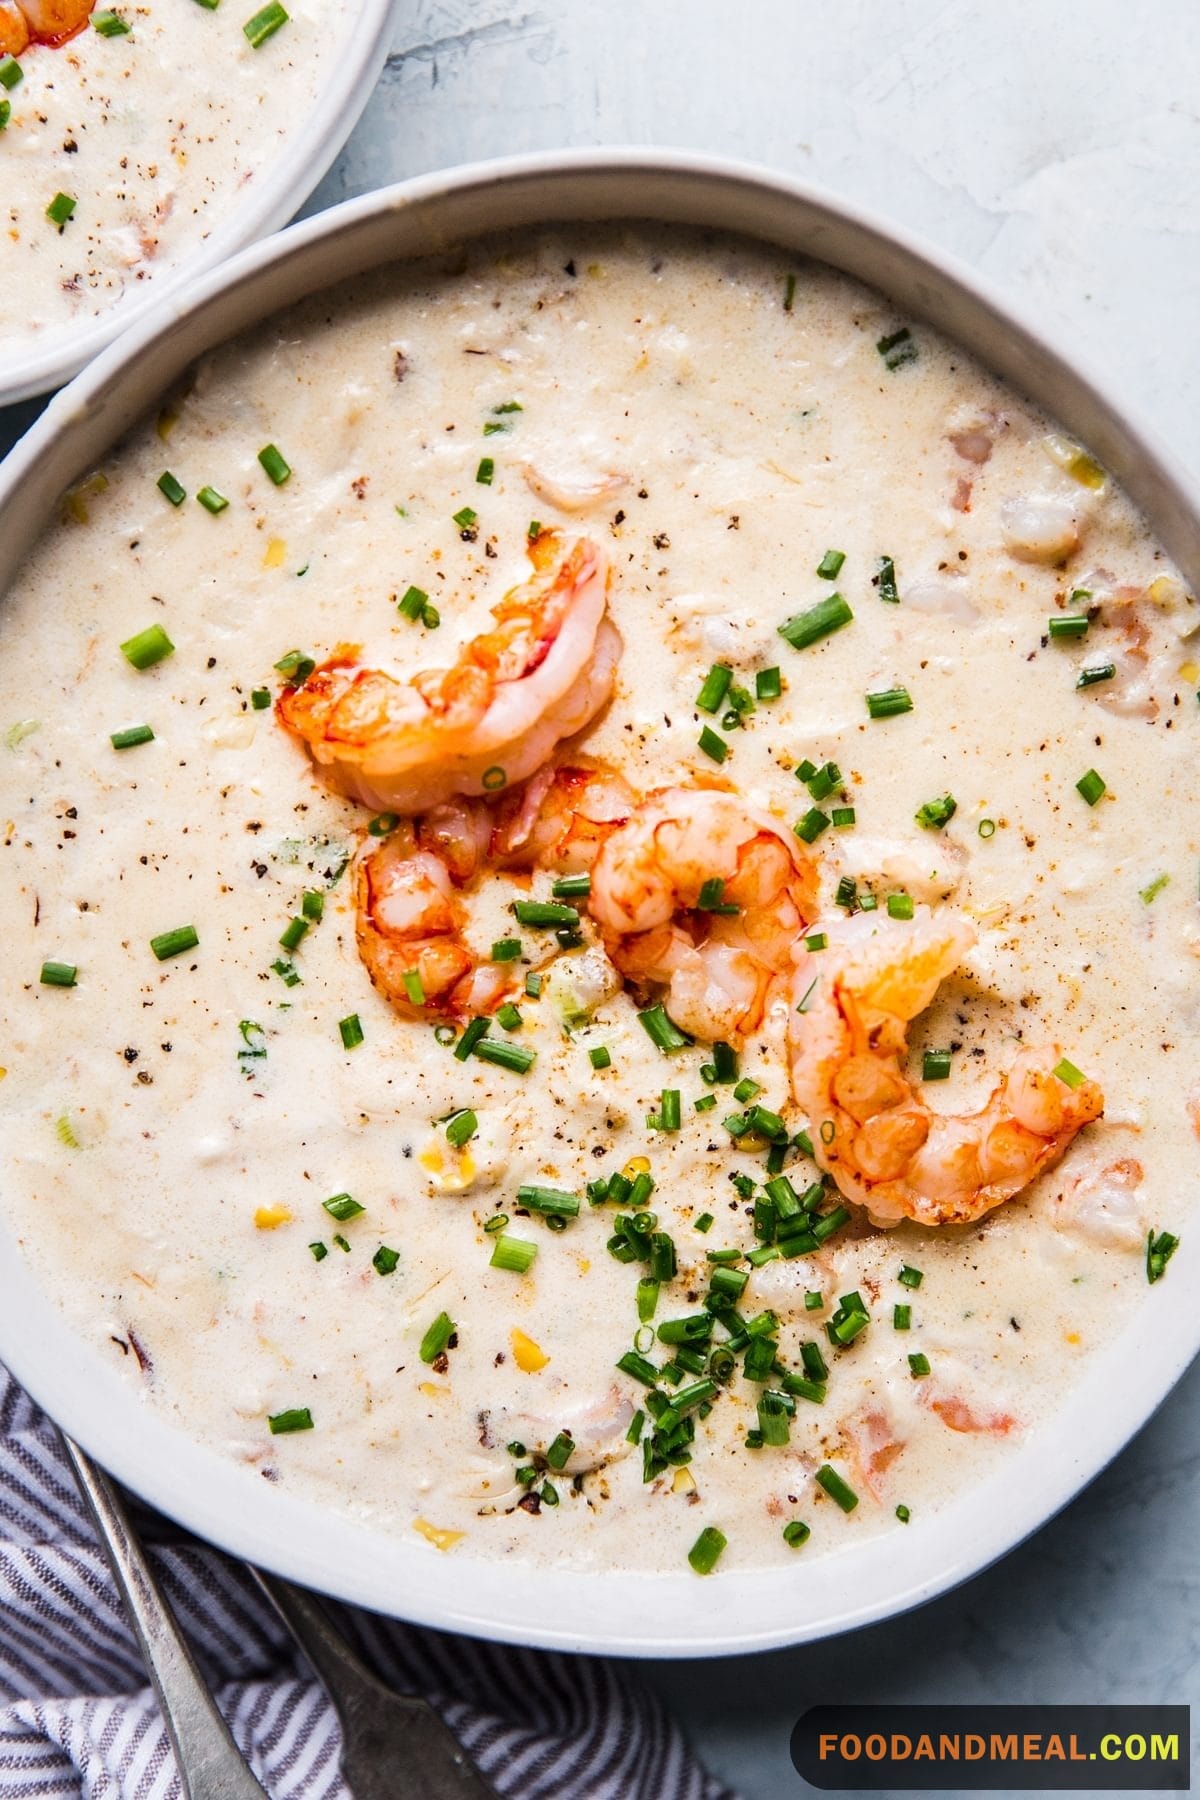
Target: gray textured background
<point x="1056" y="148"/>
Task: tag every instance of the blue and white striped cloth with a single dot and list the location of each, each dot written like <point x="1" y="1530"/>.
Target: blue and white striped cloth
<point x="78" y="1718"/>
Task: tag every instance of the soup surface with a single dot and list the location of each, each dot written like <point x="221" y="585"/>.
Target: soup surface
<point x="126" y="145"/>
<point x="381" y="1267"/>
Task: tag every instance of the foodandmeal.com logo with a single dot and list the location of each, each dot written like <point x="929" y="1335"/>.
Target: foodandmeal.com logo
<point x="1048" y="1748"/>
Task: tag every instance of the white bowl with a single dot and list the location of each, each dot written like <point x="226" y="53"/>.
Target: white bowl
<point x="263" y="206"/>
<point x="667" y="1615"/>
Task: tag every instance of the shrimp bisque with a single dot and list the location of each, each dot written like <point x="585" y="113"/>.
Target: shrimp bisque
<point x="128" y="133"/>
<point x="600" y="890"/>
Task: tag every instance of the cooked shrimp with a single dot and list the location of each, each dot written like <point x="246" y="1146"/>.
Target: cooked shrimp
<point x="885" y="1148"/>
<point x="406" y="743"/>
<point x="718" y="968"/>
<point x="23" y="22"/>
<point x="410" y="900"/>
<point x="573" y="496"/>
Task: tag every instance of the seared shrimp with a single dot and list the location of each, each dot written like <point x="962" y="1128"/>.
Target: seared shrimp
<point x="718" y="967"/>
<point x="406" y="743"/>
<point x="23" y="22"/>
<point x="410" y="901"/>
<point x="885" y="1148"/>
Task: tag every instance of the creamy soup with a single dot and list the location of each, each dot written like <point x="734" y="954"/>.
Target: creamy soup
<point x="606" y="1278"/>
<point x="124" y="146"/>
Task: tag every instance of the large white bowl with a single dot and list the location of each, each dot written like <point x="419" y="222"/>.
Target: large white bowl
<point x="676" y="1614"/>
<point x="261" y="206"/>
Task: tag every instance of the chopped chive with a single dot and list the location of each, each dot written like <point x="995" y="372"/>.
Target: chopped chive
<point x="466" y="517"/>
<point x="296" y="667"/>
<point x="572" y="887"/>
<point x="910" y="1277"/>
<point x="493" y="779"/>
<point x="58" y="974"/>
<point x="898" y="348"/>
<point x="813" y="1301"/>
<point x="662" y="1030"/>
<point x="889" y="703"/>
<point x="384" y="1260"/>
<point x="1154" y="888"/>
<point x="810" y="827"/>
<point x="901" y="1318"/>
<point x="319" y="1250"/>
<point x="174" y="490"/>
<point x="506" y="950"/>
<point x="715" y="687"/>
<point x="286" y="972"/>
<point x="936" y="813"/>
<point x="830" y="565"/>
<point x="713" y="745"/>
<point x="312" y="905"/>
<point x="60" y="209"/>
<point x="768" y="684"/>
<point x="636" y="1365"/>
<point x="545" y="913"/>
<point x="903" y="1514"/>
<point x="1068" y="1074"/>
<point x="509" y="1017"/>
<point x="341" y="1243"/>
<point x="506" y="1056"/>
<point x="670" y="1115"/>
<point x="1160" y="1248"/>
<point x="211" y="500"/>
<point x="173" y="943"/>
<point x="413" y="604"/>
<point x="109" y="24"/>
<point x="352" y="1031"/>
<point x="935" y="1065"/>
<point x="437" y="1338"/>
<point x="1091" y="786"/>
<point x="131" y="737"/>
<point x="472" y="1034"/>
<point x="553" y="1202"/>
<point x="517" y="1255"/>
<point x="817" y="622"/>
<point x="1100" y="672"/>
<point x="260" y="699"/>
<point x="533" y="985"/>
<point x="343" y="1207"/>
<point x="507" y="406"/>
<point x="918" y="1364"/>
<point x="558" y="1454"/>
<point x="885" y="580"/>
<point x="600" y="1057"/>
<point x="461" y="1127"/>
<point x="1068" y="625"/>
<point x="5" y="113"/>
<point x="298" y="1418"/>
<point x="264" y="24"/>
<point x="485" y="471"/>
<point x="11" y="72"/>
<point x="789" y="293"/>
<point x="987" y="828"/>
<point x="796" y="1533"/>
<point x="272" y="460"/>
<point x="837" y="1489"/>
<point x="900" y="906"/>
<point x="294" y="933"/>
<point x="819" y="940"/>
<point x="707" y="1548"/>
<point x="147" y="647"/>
<point x="711" y="898"/>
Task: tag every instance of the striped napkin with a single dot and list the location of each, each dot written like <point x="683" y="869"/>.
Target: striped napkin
<point x="78" y="1718"/>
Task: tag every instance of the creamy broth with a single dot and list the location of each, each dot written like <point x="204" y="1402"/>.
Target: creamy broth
<point x="737" y="419"/>
<point x="154" y="134"/>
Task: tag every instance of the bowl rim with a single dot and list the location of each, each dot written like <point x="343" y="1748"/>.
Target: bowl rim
<point x="547" y="1605"/>
<point x="290" y="181"/>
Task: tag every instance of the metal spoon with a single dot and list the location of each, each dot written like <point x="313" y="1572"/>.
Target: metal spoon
<point x="394" y="1746"/>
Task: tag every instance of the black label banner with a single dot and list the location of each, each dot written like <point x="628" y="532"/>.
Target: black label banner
<point x="1047" y="1748"/>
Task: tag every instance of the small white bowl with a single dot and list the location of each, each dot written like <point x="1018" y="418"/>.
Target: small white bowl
<point x="262" y="207"/>
<point x="519" y="1600"/>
